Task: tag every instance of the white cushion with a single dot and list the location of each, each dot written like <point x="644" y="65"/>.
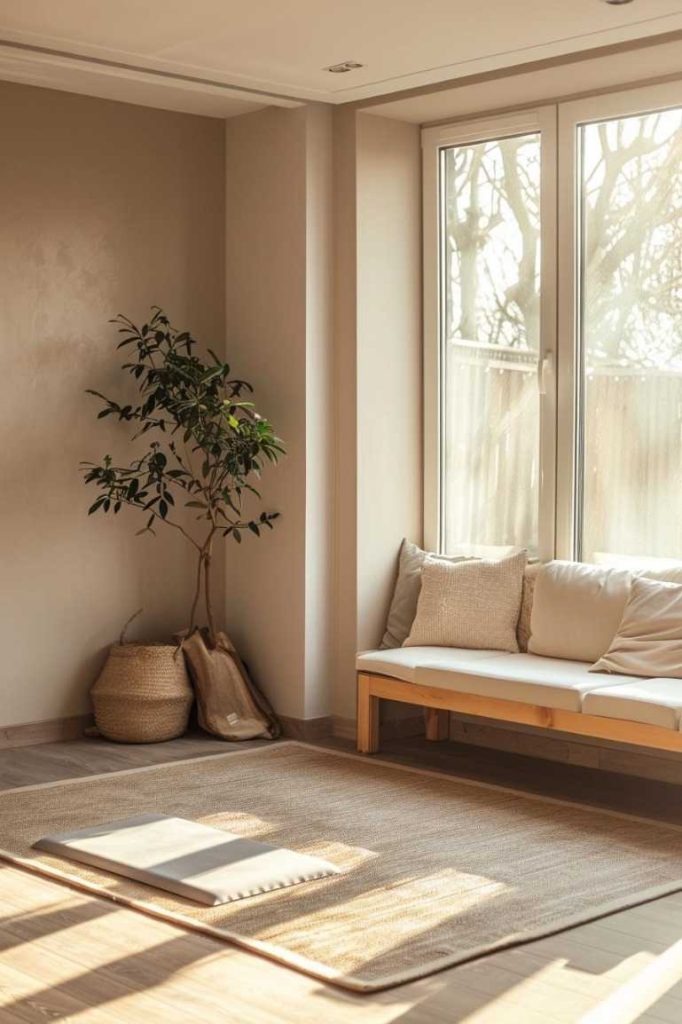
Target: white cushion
<point x="577" y="609"/>
<point x="547" y="682"/>
<point x="402" y="662"/>
<point x="649" y="638"/>
<point x="670" y="574"/>
<point x="651" y="701"/>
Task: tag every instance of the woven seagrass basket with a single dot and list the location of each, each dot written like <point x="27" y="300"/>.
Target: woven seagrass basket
<point x="143" y="694"/>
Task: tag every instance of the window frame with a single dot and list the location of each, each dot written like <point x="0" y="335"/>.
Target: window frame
<point x="572" y="115"/>
<point x="560" y="362"/>
<point x="541" y="120"/>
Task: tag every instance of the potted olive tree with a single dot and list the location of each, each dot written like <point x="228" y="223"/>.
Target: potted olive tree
<point x="206" y="446"/>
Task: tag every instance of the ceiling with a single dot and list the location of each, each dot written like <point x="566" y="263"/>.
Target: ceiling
<point x="222" y="57"/>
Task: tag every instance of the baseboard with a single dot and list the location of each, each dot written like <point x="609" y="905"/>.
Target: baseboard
<point x="306" y="729"/>
<point x="393" y="729"/>
<point x="29" y="734"/>
<point x="343" y="728"/>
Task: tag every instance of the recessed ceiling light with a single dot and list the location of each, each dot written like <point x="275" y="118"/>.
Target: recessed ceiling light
<point x="352" y="65"/>
<point x="617" y="1"/>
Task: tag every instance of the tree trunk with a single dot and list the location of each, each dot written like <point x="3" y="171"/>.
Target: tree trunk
<point x="207" y="594"/>
<point x="203" y="576"/>
<point x="197" y="592"/>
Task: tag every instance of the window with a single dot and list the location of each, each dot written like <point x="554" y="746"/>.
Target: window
<point x="490" y="286"/>
<point x="631" y="337"/>
<point x="553" y="330"/>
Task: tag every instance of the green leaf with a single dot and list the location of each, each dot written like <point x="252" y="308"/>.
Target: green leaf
<point x="183" y="395"/>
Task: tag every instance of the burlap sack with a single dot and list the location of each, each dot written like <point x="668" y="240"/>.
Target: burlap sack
<point x="228" y="702"/>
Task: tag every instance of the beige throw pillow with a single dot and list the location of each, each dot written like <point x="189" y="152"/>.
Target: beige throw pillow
<point x="406" y="594"/>
<point x="648" y="641"/>
<point x="470" y="604"/>
<point x="523" y="627"/>
<point x="576" y="609"/>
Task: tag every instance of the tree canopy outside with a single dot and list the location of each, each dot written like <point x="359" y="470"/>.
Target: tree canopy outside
<point x="632" y="241"/>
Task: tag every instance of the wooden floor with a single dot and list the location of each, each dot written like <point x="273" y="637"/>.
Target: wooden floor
<point x="66" y="956"/>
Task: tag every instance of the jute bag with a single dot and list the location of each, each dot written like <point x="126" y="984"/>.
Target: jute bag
<point x="228" y="702"/>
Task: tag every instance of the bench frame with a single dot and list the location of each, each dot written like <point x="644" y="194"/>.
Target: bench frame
<point x="439" y="703"/>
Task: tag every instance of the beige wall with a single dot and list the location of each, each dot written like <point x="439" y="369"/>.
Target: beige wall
<point x="105" y="208"/>
<point x="337" y="365"/>
<point x="379" y="375"/>
<point x="321" y="494"/>
<point x="300" y="230"/>
<point x="279" y="329"/>
<point x="389" y="371"/>
<point x="266" y="332"/>
<point x="345" y="410"/>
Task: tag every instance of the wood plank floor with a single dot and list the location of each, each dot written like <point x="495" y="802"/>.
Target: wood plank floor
<point x="67" y="956"/>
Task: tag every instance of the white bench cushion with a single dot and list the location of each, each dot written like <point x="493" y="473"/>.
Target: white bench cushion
<point x="547" y="682"/>
<point x="402" y="662"/>
<point x="650" y="701"/>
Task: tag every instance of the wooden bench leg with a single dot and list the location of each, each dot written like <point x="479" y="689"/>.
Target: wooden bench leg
<point x="437" y="725"/>
<point x="368" y="717"/>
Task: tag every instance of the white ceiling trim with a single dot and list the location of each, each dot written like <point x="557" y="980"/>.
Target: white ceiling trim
<point x="647" y="28"/>
<point x="20" y="62"/>
<point x="535" y="85"/>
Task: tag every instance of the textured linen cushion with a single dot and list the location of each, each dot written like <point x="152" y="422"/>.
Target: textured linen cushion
<point x="470" y="604"/>
<point x="648" y="641"/>
<point x="406" y="594"/>
<point x="577" y="609"/>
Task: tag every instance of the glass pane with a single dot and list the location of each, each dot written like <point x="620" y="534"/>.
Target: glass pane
<point x="631" y="268"/>
<point x="490" y="248"/>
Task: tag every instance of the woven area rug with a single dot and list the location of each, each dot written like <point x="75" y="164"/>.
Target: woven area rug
<point x="437" y="870"/>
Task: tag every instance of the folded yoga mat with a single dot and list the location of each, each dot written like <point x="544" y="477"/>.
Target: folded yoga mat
<point x="194" y="861"/>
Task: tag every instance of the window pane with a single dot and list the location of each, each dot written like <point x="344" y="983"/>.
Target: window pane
<point x="490" y="297"/>
<point x="631" y="399"/>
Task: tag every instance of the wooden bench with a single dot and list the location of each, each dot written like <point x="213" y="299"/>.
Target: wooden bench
<point x="439" y="703"/>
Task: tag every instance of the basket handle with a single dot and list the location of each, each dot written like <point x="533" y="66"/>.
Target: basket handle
<point x="122" y="637"/>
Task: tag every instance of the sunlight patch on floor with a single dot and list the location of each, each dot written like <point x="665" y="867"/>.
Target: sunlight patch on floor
<point x="640" y="993"/>
<point x="559" y="992"/>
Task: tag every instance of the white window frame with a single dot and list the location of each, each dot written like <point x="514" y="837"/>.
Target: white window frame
<point x="571" y="116"/>
<point x="543" y="121"/>
<point x="560" y="355"/>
